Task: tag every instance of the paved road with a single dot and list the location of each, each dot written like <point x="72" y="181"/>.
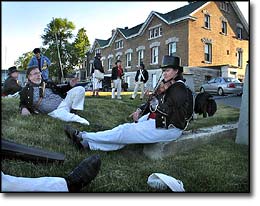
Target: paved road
<point x="234" y="101"/>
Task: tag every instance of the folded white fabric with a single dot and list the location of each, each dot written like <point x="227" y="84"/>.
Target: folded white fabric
<point x="161" y="182"/>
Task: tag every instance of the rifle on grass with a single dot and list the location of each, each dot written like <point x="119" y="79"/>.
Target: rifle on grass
<point x="12" y="150"/>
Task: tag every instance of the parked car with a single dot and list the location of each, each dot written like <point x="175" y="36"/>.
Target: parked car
<point x="223" y="85"/>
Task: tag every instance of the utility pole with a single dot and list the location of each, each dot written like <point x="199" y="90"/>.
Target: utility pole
<point x="60" y="64"/>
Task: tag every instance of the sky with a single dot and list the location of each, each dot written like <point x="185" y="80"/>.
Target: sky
<point x="23" y="23"/>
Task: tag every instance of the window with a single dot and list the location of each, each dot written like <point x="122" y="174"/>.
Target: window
<point x="119" y="44"/>
<point x="172" y="48"/>
<point x="128" y="59"/>
<point x="239" y="58"/>
<point x="155" y="53"/>
<point x="207" y="21"/>
<point x="140" y="56"/>
<point x="155" y="32"/>
<point x="110" y="64"/>
<point x="97" y="51"/>
<point x="239" y="33"/>
<point x="224" y="6"/>
<point x="208" y="52"/>
<point x="90" y="68"/>
<point x="224" y="27"/>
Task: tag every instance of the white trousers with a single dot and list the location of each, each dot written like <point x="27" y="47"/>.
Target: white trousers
<point x="74" y="100"/>
<point x="129" y="133"/>
<point x="97" y="84"/>
<point x="117" y="86"/>
<point x="26" y="184"/>
<point x="137" y="85"/>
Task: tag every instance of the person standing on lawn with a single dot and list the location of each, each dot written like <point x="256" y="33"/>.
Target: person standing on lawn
<point x="60" y="102"/>
<point x="97" y="82"/>
<point x="117" y="75"/>
<point x="42" y="61"/>
<point x="163" y="117"/>
<point x="141" y="78"/>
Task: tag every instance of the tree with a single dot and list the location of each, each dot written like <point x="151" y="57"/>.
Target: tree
<point x="23" y="60"/>
<point x="57" y="34"/>
<point x="81" y="45"/>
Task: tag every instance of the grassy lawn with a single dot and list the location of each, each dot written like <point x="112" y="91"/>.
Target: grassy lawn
<point x="221" y="166"/>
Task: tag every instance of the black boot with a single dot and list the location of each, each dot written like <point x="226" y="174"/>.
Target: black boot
<point x="73" y="135"/>
<point x="84" y="173"/>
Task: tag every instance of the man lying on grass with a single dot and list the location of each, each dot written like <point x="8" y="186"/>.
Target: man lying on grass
<point x="164" y="120"/>
<point x="39" y="96"/>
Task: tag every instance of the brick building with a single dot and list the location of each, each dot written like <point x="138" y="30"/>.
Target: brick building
<point x="212" y="39"/>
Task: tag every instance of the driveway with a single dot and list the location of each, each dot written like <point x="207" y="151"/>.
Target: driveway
<point x="233" y="101"/>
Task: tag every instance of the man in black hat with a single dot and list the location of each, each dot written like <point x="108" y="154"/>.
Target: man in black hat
<point x="11" y="85"/>
<point x="141" y="78"/>
<point x="42" y="61"/>
<point x="162" y="119"/>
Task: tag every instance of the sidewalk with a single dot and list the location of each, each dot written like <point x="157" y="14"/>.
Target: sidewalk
<point x="89" y="93"/>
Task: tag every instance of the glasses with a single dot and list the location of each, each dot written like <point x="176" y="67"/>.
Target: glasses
<point x="36" y="73"/>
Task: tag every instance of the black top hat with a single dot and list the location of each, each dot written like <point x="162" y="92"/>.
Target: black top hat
<point x="142" y="65"/>
<point x="171" y="62"/>
<point x="12" y="70"/>
<point x="30" y="68"/>
<point x="36" y="50"/>
<point x="118" y="61"/>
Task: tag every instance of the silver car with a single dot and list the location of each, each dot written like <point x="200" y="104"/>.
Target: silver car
<point x="223" y="85"/>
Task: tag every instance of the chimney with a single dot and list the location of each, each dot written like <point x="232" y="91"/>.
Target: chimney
<point x="126" y="27"/>
<point x="113" y="31"/>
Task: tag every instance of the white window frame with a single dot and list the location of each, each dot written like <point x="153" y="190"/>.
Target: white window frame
<point x="119" y="44"/>
<point x="155" y="32"/>
<point x="240" y="58"/>
<point x="207" y="21"/>
<point x="224" y="27"/>
<point x="140" y="55"/>
<point x="208" y="53"/>
<point x="97" y="51"/>
<point x="172" y="48"/>
<point x="224" y="6"/>
<point x="110" y="63"/>
<point x="239" y="32"/>
<point x="128" y="59"/>
<point x="154" y="55"/>
<point x="91" y="65"/>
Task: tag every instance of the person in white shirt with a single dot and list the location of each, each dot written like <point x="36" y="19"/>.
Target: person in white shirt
<point x="141" y="78"/>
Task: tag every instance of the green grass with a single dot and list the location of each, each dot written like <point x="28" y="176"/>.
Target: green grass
<point x="221" y="166"/>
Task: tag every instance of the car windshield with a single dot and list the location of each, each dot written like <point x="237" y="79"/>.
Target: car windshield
<point x="232" y="80"/>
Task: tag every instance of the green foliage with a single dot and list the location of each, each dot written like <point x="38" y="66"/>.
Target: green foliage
<point x="81" y="44"/>
<point x="24" y="60"/>
<point x="58" y="36"/>
<point x="221" y="166"/>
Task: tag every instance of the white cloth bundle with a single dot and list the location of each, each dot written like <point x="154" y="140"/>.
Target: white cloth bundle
<point x="161" y="182"/>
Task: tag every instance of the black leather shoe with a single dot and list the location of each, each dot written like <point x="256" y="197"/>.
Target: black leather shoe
<point x="73" y="135"/>
<point x="84" y="173"/>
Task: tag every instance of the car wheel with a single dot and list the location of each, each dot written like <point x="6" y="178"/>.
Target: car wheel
<point x="105" y="89"/>
<point x="220" y="92"/>
<point x="202" y="90"/>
